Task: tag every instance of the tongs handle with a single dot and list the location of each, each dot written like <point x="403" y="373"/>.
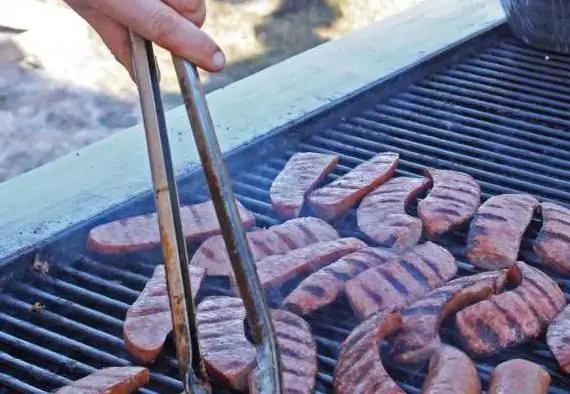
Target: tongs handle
<point x="269" y="379"/>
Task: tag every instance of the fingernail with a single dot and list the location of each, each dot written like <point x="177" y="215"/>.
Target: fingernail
<point x="218" y="60"/>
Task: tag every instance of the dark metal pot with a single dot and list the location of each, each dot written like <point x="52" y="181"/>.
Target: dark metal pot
<point x="543" y="24"/>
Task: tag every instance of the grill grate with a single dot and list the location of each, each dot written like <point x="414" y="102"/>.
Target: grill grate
<point x="500" y="114"/>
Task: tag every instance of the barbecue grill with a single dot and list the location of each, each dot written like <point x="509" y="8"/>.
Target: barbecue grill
<point x="454" y="91"/>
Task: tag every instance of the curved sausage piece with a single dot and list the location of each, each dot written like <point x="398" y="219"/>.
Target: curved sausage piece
<point x="112" y="380"/>
<point x="558" y="339"/>
<point x="452" y="201"/>
<point x="359" y="368"/>
<point x="553" y="242"/>
<point x="451" y="371"/>
<point x="519" y="376"/>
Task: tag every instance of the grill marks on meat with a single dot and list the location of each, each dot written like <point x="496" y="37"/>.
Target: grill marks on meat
<point x="321" y="288"/>
<point x="275" y="270"/>
<point x="451" y="371"/>
<point x="112" y="380"/>
<point x="553" y="242"/>
<point x="382" y="213"/>
<point x="452" y="201"/>
<point x="335" y="199"/>
<point x="298" y="353"/>
<point x="401" y="281"/>
<point x="359" y="368"/>
<point x="419" y="335"/>
<point x="302" y="173"/>
<point x="518" y="376"/>
<point x="512" y="317"/>
<point x="227" y="353"/>
<point x="558" y="339"/>
<point x="230" y="357"/>
<point x="496" y="232"/>
<point x="212" y="255"/>
<point x="137" y="233"/>
<point x="148" y="321"/>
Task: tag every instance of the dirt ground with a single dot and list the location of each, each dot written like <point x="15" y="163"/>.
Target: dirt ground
<point x="46" y="112"/>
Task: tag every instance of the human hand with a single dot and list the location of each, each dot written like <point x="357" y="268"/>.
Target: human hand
<point x="171" y="24"/>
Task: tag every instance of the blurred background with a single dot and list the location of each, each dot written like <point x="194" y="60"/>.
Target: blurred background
<point x="66" y="91"/>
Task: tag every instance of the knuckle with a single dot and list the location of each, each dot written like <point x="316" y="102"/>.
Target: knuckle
<point x="163" y="24"/>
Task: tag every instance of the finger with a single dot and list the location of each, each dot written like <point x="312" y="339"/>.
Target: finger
<point x="193" y="10"/>
<point x="161" y="24"/>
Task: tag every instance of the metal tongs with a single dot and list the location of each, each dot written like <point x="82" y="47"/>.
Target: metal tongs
<point x="191" y="366"/>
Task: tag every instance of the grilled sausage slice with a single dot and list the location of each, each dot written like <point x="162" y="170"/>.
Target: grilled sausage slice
<point x="230" y="357"/>
<point x="553" y="242"/>
<point x="558" y="339"/>
<point x="401" y="281"/>
<point x="323" y="287"/>
<point x="512" y="317"/>
<point x="496" y="232"/>
<point x="112" y="380"/>
<point x="359" y="368"/>
<point x="419" y="335"/>
<point x="137" y="233"/>
<point x="518" y="376"/>
<point x="212" y="255"/>
<point x="148" y="321"/>
<point x="301" y="174"/>
<point x="452" y="201"/>
<point x="276" y="270"/>
<point x="382" y="213"/>
<point x="451" y="371"/>
<point x="298" y="354"/>
<point x="335" y="199"/>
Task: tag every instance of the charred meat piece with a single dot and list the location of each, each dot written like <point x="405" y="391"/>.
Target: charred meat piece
<point x="518" y="376"/>
<point x="452" y="201"/>
<point x="148" y="321"/>
<point x="359" y="368"/>
<point x="382" y="213"/>
<point x="558" y="339"/>
<point x="419" y="335"/>
<point x="298" y="354"/>
<point x="275" y="270"/>
<point x="230" y="357"/>
<point x="137" y="233"/>
<point x="512" y="317"/>
<point x="322" y="287"/>
<point x="451" y="371"/>
<point x="496" y="232"/>
<point x="212" y="255"/>
<point x="401" y="281"/>
<point x="335" y="199"/>
<point x="112" y="380"/>
<point x="302" y="173"/>
<point x="553" y="242"/>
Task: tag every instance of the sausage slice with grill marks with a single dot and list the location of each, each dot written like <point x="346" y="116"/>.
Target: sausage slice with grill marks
<point x="276" y="270"/>
<point x="322" y="287"/>
<point x="199" y="221"/>
<point x="335" y="199"/>
<point x="452" y="201"/>
<point x="230" y="357"/>
<point x="518" y="376"/>
<point x="451" y="371"/>
<point x="382" y="213"/>
<point x="512" y="317"/>
<point x="553" y="242"/>
<point x="495" y="234"/>
<point x="401" y="281"/>
<point x="558" y="339"/>
<point x="212" y="255"/>
<point x="359" y="368"/>
<point x="302" y="173"/>
<point x="148" y="321"/>
<point x="419" y="335"/>
<point x="111" y="380"/>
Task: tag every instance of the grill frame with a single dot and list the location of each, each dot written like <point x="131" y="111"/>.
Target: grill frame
<point x="53" y="252"/>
